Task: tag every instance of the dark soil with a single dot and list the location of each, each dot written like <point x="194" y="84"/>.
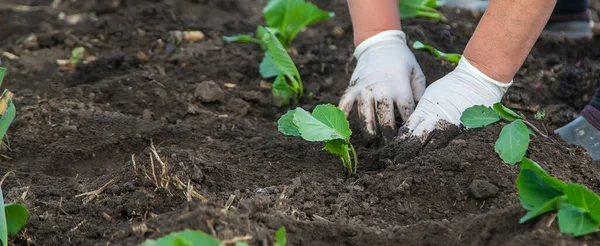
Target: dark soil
<point x="92" y="128"/>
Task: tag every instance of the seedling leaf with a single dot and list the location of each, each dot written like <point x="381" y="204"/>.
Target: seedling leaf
<point x="280" y="237"/>
<point x="3" y="226"/>
<point x="513" y="142"/>
<point x="77" y="54"/>
<point x="16" y="217"/>
<point x="419" y="8"/>
<point x="507" y="113"/>
<point x="241" y="244"/>
<point x="291" y="16"/>
<point x="340" y="148"/>
<point x="7" y="118"/>
<point x="575" y="221"/>
<point x="557" y="184"/>
<point x="281" y="59"/>
<point x="326" y="123"/>
<point x="547" y="207"/>
<point x="267" y="68"/>
<point x="2" y="72"/>
<point x="534" y="191"/>
<point x="285" y="124"/>
<point x="242" y="38"/>
<point x="479" y="116"/>
<point x="451" y="57"/>
<point x="585" y="199"/>
<point x="281" y="90"/>
<point x="184" y="238"/>
<point x="540" y="115"/>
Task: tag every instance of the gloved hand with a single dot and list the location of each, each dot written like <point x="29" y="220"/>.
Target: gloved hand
<point x="447" y="98"/>
<point x="386" y="74"/>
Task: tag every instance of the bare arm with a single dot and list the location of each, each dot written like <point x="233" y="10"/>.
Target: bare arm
<point x="505" y="36"/>
<point x="371" y="17"/>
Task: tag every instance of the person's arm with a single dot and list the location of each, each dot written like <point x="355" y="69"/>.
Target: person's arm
<point x="505" y="36"/>
<point x="372" y="17"/>
<point x="496" y="51"/>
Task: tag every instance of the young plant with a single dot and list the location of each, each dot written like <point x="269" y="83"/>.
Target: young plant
<point x="420" y="8"/>
<point x="513" y="141"/>
<point x="328" y="124"/>
<point x="77" y="55"/>
<point x="285" y="19"/>
<point x="12" y="218"/>
<point x="451" y="57"/>
<point x="7" y="107"/>
<point x="199" y="238"/>
<point x="539" y="193"/>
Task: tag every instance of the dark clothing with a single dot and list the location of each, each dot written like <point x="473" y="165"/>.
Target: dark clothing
<point x="596" y="101"/>
<point x="570" y="6"/>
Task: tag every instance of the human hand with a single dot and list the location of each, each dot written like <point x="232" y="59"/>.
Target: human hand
<point x="386" y="74"/>
<point x="448" y="97"/>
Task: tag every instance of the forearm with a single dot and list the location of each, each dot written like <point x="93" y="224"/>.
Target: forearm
<point x="371" y="17"/>
<point x="505" y="35"/>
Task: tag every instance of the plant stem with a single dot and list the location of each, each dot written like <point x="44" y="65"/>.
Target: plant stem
<point x="355" y="158"/>
<point x="535" y="129"/>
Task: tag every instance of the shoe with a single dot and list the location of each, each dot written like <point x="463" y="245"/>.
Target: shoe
<point x="584" y="131"/>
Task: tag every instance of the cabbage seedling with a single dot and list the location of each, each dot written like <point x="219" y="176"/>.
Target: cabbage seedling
<point x="420" y="8"/>
<point x="539" y="193"/>
<point x="200" y="238"/>
<point x="7" y="107"/>
<point x="328" y="124"/>
<point x="12" y="218"/>
<point x="451" y="57"/>
<point x="286" y="18"/>
<point x="513" y="141"/>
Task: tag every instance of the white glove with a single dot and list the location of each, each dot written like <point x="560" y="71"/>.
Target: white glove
<point x="386" y="73"/>
<point x="447" y="98"/>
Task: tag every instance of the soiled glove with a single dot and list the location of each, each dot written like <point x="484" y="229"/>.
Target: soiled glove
<point x="386" y="74"/>
<point x="447" y="98"/>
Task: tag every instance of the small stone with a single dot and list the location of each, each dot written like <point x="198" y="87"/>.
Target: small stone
<point x="239" y="106"/>
<point x="483" y="189"/>
<point x="209" y="91"/>
<point x="147" y="114"/>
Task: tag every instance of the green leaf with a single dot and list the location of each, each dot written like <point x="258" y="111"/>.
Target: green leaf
<point x="327" y="123"/>
<point x="546" y="207"/>
<point x="281" y="90"/>
<point x="513" y="142"/>
<point x="16" y="217"/>
<point x="479" y="116"/>
<point x="241" y="244"/>
<point x="291" y="16"/>
<point x="77" y="54"/>
<point x="281" y="58"/>
<point x="280" y="237"/>
<point x="2" y="72"/>
<point x="7" y="118"/>
<point x="451" y="57"/>
<point x="540" y="115"/>
<point x="340" y="148"/>
<point x="267" y="68"/>
<point x="242" y="38"/>
<point x="184" y="238"/>
<point x="585" y="199"/>
<point x="286" y="125"/>
<point x="534" y="192"/>
<point x="333" y="117"/>
<point x="507" y="113"/>
<point x="419" y="8"/>
<point x="3" y="220"/>
<point x="552" y="181"/>
<point x="575" y="221"/>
